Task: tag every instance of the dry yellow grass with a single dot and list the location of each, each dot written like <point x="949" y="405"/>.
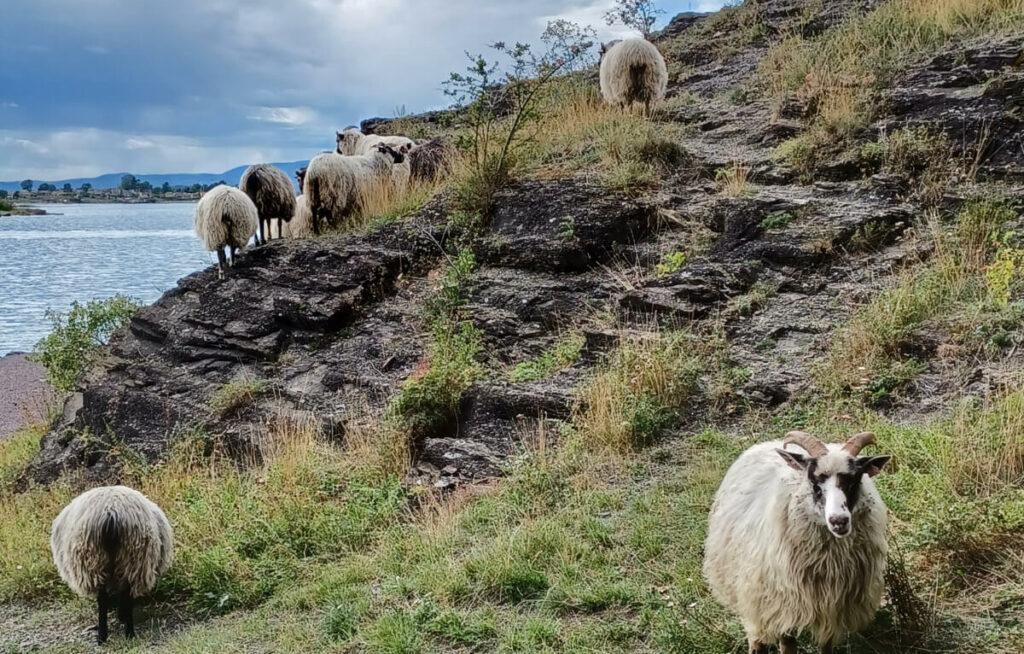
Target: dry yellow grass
<point x="837" y="73"/>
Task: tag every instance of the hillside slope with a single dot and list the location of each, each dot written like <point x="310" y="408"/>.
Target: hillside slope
<point x="818" y="230"/>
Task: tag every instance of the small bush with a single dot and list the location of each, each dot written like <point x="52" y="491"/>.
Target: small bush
<point x="670" y="263"/>
<point x="78" y="334"/>
<point x="777" y="220"/>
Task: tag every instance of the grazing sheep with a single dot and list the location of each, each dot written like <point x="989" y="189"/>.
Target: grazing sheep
<point x="334" y="182"/>
<point x="632" y="71"/>
<point x="112" y="542"/>
<point x="269" y="189"/>
<point x="225" y="218"/>
<point x="797" y="541"/>
<point x="352" y="141"/>
<point x="431" y="160"/>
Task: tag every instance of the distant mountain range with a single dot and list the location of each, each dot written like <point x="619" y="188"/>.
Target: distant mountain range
<point x="113" y="180"/>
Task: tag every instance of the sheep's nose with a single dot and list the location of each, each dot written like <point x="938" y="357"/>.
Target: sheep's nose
<point x="839" y="522"/>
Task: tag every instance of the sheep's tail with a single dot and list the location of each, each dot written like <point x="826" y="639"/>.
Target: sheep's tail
<point x="637" y="82"/>
<point x="111" y="537"/>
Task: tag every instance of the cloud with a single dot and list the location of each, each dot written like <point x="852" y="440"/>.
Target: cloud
<point x="285" y="115"/>
<point x="220" y="79"/>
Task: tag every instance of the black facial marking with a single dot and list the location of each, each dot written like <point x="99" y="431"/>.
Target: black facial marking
<point x="849" y="483"/>
<point x="816" y="480"/>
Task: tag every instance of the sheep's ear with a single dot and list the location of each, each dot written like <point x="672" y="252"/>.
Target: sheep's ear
<point x="794" y="460"/>
<point x="872" y="465"/>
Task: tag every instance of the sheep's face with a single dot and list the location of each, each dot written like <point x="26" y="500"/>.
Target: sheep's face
<point x="605" y="47"/>
<point x="396" y="156"/>
<point x="348" y="140"/>
<point x="835" y="483"/>
<point x="300" y="176"/>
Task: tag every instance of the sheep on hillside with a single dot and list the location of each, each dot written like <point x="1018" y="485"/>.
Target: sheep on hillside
<point x="432" y="160"/>
<point x="272" y="193"/>
<point x="353" y="142"/>
<point x="632" y="71"/>
<point x="797" y="541"/>
<point x="333" y="183"/>
<point x="225" y="218"/>
<point x="302" y="222"/>
<point x="112" y="543"/>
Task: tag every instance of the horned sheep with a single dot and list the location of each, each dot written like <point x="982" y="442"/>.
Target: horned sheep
<point x="632" y="71"/>
<point x="272" y="193"/>
<point x="796" y="541"/>
<point x="225" y="218"/>
<point x="112" y="543"/>
<point x="334" y="182"/>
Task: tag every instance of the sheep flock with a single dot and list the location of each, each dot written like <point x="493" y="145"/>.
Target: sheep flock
<point x="337" y="184"/>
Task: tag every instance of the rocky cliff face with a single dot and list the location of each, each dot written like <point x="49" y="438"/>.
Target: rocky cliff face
<point x="333" y="325"/>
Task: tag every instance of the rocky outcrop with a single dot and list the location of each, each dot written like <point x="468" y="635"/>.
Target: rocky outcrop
<point x="327" y="329"/>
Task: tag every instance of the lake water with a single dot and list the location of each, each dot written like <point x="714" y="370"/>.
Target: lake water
<point x="91" y="251"/>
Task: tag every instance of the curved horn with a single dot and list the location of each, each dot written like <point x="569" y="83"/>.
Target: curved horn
<point x="858" y="442"/>
<point x="813" y="446"/>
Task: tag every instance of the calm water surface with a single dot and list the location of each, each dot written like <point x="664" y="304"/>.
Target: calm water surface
<point x="91" y="251"/>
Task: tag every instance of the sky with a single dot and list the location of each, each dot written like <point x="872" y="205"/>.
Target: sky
<point x="89" y="87"/>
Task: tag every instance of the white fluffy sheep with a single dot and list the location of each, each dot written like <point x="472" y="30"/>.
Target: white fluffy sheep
<point x="272" y="193"/>
<point x="632" y="71"/>
<point x="353" y="142"/>
<point x="333" y="182"/>
<point x="225" y="218"/>
<point x="302" y="222"/>
<point x="797" y="541"/>
<point x="112" y="543"/>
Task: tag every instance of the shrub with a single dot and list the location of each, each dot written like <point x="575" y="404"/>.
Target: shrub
<point x="69" y="349"/>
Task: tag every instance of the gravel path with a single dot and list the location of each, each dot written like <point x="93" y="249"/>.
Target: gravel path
<point x="24" y="393"/>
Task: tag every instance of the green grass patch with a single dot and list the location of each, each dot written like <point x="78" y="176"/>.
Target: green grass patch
<point x="561" y="354"/>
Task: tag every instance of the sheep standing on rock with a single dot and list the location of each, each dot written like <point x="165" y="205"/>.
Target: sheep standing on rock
<point x="353" y="142"/>
<point x="333" y="182"/>
<point x="632" y="71"/>
<point x="225" y="218"/>
<point x="112" y="543"/>
<point x="269" y="189"/>
<point x="302" y="222"/>
<point x="797" y="541"/>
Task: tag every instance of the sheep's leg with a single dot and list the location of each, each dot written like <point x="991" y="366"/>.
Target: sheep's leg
<point x="756" y="647"/>
<point x="280" y="226"/>
<point x="787" y="645"/>
<point x="826" y="647"/>
<point x="234" y="251"/>
<point x="126" y="613"/>
<point x="221" y="263"/>
<point x="103" y="606"/>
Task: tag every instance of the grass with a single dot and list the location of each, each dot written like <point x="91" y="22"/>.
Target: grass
<point x="733" y="181"/>
<point x="867" y="355"/>
<point x="624" y="150"/>
<point x="561" y="354"/>
<point x="640" y="391"/>
<point x="241" y="391"/>
<point x="837" y="74"/>
<point x="381" y="203"/>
